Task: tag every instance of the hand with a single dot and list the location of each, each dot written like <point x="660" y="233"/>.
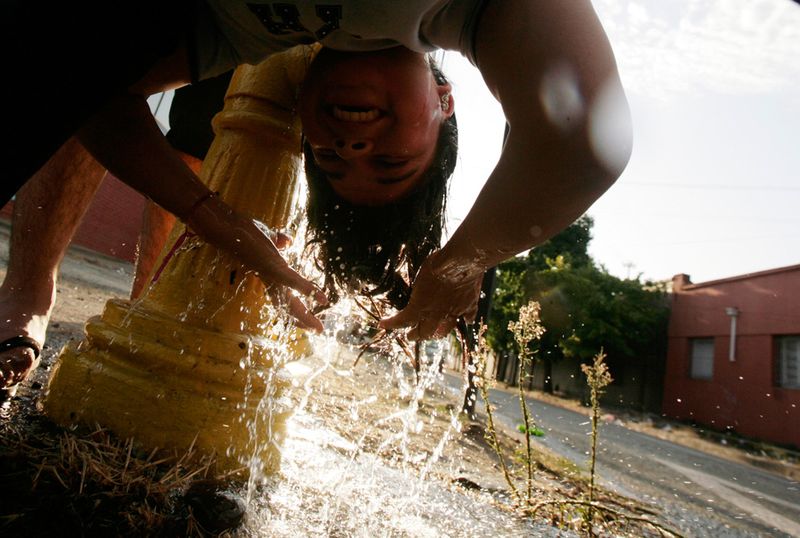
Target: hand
<point x="304" y="317"/>
<point x="445" y="290"/>
<point x="254" y="245"/>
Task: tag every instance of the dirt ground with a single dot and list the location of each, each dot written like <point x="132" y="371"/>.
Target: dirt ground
<point x="88" y="280"/>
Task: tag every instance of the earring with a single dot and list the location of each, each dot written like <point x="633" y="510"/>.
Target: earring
<point x="445" y="100"/>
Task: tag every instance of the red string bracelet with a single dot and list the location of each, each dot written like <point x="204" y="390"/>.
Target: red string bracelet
<point x="207" y="196"/>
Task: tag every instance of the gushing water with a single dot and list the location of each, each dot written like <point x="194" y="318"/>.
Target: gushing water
<point x="352" y="458"/>
<point x="348" y="470"/>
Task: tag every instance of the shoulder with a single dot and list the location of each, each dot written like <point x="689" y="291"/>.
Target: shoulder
<point x="453" y="24"/>
<point x="232" y="32"/>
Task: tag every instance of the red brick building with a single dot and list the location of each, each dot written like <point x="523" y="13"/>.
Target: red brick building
<point x="112" y="223"/>
<point x="733" y="358"/>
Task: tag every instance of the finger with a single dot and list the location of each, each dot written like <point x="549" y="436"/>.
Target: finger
<point x="442" y="330"/>
<point x="425" y="329"/>
<point x="404" y="318"/>
<point x="471" y="315"/>
<point x="445" y="328"/>
<point x="305" y="318"/>
<point x="287" y="276"/>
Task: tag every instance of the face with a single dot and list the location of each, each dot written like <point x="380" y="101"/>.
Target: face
<point x="372" y="120"/>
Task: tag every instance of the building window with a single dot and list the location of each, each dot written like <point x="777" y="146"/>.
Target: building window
<point x="788" y="366"/>
<point x="702" y="358"/>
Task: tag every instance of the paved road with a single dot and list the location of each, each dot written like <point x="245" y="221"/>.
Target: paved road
<point x="698" y="493"/>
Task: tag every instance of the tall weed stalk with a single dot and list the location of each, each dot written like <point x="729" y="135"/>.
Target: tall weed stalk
<point x="598" y="378"/>
<point x="526" y="330"/>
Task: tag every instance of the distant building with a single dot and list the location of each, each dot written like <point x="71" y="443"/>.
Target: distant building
<point x="733" y="357"/>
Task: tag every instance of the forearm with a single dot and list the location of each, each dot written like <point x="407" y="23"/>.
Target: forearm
<point x="124" y="137"/>
<point x="535" y="191"/>
<point x="141" y="157"/>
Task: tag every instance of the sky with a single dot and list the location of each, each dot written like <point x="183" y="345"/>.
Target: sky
<point x="713" y="185"/>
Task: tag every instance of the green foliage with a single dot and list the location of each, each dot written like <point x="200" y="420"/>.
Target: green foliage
<point x="587" y="308"/>
<point x="584" y="307"/>
<point x="534" y="431"/>
<point x="567" y="249"/>
<point x="509" y="297"/>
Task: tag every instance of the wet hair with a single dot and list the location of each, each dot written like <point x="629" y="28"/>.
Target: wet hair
<point x="379" y="250"/>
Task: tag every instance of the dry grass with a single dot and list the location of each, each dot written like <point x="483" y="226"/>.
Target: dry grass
<point x="59" y="482"/>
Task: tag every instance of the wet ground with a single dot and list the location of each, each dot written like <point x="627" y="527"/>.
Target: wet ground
<point x="368" y="454"/>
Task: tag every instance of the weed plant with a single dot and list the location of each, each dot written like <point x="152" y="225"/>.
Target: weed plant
<point x="527" y="330"/>
<point x="598" y="378"/>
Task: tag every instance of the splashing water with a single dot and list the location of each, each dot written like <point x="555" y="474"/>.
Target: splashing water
<point x="352" y="463"/>
<point x="330" y="485"/>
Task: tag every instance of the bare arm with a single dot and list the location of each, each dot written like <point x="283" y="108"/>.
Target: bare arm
<point x="551" y="67"/>
<point x="124" y="137"/>
<point x="532" y="53"/>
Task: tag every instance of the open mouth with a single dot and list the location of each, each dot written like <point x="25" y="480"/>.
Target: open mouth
<point x="355" y="113"/>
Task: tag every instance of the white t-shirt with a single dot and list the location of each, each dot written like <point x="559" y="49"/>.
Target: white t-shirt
<point x="232" y="32"/>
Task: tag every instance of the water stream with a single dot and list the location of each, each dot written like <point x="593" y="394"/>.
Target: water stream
<point x="330" y="485"/>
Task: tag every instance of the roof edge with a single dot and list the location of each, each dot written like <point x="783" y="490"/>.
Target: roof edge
<point x="744" y="276"/>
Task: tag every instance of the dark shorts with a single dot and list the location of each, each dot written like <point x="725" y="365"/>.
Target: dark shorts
<point x="193" y="107"/>
<point x="62" y="60"/>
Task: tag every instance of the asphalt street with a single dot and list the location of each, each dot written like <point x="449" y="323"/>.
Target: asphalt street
<point x="699" y="493"/>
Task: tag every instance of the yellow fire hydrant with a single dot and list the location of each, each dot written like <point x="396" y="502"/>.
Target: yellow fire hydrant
<point x="197" y="361"/>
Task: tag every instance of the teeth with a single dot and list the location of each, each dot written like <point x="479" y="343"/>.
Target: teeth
<point x="360" y="116"/>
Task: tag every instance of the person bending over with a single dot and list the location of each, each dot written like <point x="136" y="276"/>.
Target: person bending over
<point x="48" y="210"/>
<point x="548" y="63"/>
<point x="407" y="229"/>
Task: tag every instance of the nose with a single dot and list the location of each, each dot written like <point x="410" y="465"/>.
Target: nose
<point x="349" y="149"/>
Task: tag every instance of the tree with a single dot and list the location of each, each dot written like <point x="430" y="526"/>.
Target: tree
<point x="584" y="308"/>
<point x="568" y="248"/>
<point x="587" y="308"/>
<point x="571" y="245"/>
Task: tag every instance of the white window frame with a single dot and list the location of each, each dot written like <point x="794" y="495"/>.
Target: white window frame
<point x="701" y="358"/>
<point x="787" y="361"/>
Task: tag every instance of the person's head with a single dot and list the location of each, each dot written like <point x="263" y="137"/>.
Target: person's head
<point x="380" y="145"/>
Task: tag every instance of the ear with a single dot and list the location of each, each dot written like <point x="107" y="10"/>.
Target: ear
<point x="445" y="92"/>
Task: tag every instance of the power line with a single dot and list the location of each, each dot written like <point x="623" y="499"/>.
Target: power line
<point x="717" y="240"/>
<point x="710" y="186"/>
<point x="686" y="215"/>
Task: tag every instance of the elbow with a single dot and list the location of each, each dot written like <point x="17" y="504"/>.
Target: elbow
<point x="588" y="127"/>
<point x="609" y="131"/>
